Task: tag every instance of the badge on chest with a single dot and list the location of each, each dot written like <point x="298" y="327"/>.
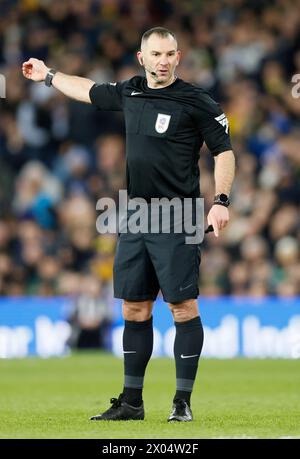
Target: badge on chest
<point x="162" y="123"/>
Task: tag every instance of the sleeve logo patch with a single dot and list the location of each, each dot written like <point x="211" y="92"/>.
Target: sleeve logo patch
<point x="223" y="121"/>
<point x="162" y="123"/>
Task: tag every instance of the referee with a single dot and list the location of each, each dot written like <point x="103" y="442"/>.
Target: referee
<point x="167" y="120"/>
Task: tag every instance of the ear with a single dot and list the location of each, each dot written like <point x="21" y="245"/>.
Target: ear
<point x="139" y="55"/>
<point x="178" y="57"/>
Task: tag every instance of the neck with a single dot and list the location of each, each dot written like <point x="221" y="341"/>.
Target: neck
<point x="156" y="84"/>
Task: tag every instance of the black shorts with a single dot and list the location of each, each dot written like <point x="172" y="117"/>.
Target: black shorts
<point x="146" y="263"/>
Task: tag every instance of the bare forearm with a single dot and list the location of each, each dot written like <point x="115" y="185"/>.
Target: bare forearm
<point x="224" y="172"/>
<point x="77" y="88"/>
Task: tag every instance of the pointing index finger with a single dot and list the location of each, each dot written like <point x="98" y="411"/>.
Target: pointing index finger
<point x="215" y="226"/>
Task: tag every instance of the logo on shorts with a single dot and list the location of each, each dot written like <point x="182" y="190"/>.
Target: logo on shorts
<point x="184" y="288"/>
<point x="162" y="123"/>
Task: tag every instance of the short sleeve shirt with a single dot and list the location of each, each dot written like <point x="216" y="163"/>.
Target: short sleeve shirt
<point x="165" y="130"/>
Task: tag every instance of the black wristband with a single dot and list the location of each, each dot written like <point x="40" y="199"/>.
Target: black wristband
<point x="49" y="77"/>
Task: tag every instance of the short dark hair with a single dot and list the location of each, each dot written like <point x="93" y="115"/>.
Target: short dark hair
<point x="161" y="31"/>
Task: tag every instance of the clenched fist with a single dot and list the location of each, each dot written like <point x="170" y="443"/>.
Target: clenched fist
<point x="34" y="69"/>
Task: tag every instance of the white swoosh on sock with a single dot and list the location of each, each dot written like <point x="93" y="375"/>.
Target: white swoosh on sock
<point x="188" y="356"/>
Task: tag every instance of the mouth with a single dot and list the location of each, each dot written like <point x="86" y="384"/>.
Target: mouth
<point x="163" y="72"/>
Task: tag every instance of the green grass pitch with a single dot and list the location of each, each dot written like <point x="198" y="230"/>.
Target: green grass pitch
<point x="54" y="398"/>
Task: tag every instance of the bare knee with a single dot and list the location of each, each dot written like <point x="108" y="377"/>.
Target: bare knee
<point x="184" y="311"/>
<point x="138" y="311"/>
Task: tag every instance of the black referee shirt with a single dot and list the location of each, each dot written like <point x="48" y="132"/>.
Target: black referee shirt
<point x="165" y="129"/>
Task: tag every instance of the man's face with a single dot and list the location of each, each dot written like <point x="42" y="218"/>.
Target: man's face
<point x="160" y="55"/>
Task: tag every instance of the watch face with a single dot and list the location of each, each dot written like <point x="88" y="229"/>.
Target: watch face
<point x="223" y="197"/>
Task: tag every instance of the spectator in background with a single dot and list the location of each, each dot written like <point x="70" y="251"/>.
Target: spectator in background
<point x="91" y="316"/>
<point x="243" y="52"/>
<point x="36" y="194"/>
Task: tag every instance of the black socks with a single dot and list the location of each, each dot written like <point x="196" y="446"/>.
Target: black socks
<point x="137" y="348"/>
<point x="187" y="349"/>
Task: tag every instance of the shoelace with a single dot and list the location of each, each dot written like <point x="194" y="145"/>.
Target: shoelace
<point x="180" y="406"/>
<point x="116" y="402"/>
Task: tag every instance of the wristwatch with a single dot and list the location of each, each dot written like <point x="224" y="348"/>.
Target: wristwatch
<point x="49" y="77"/>
<point x="222" y="200"/>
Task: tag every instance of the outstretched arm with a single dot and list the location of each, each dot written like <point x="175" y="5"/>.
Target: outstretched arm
<point x="218" y="215"/>
<point x="75" y="87"/>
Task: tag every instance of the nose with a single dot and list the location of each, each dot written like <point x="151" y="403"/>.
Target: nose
<point x="163" y="60"/>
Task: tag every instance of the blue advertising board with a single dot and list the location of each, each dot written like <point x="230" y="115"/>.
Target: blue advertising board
<point x="233" y="327"/>
<point x="34" y="326"/>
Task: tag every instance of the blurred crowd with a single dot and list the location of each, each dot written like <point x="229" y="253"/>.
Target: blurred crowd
<point x="58" y="156"/>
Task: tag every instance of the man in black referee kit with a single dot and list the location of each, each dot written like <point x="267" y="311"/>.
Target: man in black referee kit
<point x="167" y="120"/>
